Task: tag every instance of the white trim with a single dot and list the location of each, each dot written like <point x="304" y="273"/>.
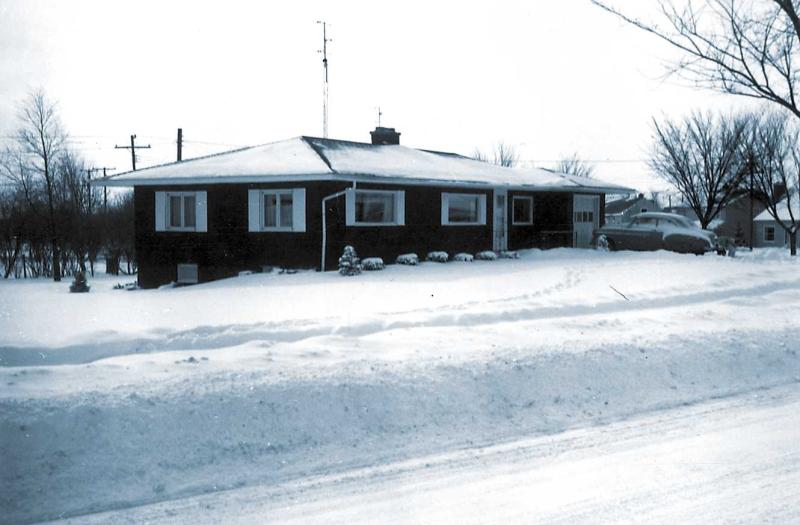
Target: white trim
<point x="399" y="208"/>
<point x="255" y="210"/>
<point x="344" y="177"/>
<point x="161" y="211"/>
<point x="514" y="221"/>
<point x="445" y="214"/>
<point x="201" y="211"/>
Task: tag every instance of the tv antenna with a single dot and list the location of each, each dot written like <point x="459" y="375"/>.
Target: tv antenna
<point x="324" y="52"/>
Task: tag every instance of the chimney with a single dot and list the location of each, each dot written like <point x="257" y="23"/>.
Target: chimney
<point x="385" y="136"/>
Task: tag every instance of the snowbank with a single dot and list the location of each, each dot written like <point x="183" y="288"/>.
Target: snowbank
<point x="264" y="378"/>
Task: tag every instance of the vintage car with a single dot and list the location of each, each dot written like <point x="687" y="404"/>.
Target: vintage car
<point x="656" y="231"/>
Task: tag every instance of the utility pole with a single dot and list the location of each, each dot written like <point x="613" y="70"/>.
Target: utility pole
<point x="324" y="52"/>
<point x="133" y="147"/>
<point x="752" y="221"/>
<point x="105" y="188"/>
<point x="380" y="114"/>
<point x="180" y="144"/>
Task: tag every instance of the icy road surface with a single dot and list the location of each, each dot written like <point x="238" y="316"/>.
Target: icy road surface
<point x="728" y="461"/>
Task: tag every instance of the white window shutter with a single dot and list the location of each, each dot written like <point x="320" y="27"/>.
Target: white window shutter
<point x="445" y="206"/>
<point x="350" y="207"/>
<point x="482" y="209"/>
<point x="201" y="211"/>
<point x="161" y="211"/>
<point x="254" y="210"/>
<point x="400" y="209"/>
<point x="299" y="210"/>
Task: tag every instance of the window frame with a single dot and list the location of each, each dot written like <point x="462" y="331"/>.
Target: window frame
<point x="168" y="226"/>
<point x="398" y="197"/>
<point x="514" y="221"/>
<point x="262" y="210"/>
<point x="445" y="210"/>
<point x="774" y="233"/>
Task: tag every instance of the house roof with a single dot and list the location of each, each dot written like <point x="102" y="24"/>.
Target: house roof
<point x="312" y="158"/>
<point x="621" y="205"/>
<point x="783" y="210"/>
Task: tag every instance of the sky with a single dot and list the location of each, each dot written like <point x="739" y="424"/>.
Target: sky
<point x="550" y="78"/>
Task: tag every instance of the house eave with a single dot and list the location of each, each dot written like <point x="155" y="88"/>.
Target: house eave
<point x="348" y="178"/>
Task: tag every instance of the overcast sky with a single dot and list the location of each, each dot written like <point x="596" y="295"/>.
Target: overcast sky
<point x="551" y="78"/>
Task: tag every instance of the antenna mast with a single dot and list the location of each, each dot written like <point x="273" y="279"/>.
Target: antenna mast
<point x="324" y="52"/>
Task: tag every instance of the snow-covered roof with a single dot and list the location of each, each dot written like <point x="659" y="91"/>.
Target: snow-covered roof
<point x="783" y="210"/>
<point x="310" y="158"/>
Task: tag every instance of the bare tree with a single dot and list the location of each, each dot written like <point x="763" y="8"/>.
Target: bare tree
<point x="701" y="157"/>
<point x="739" y="47"/>
<point x="573" y="165"/>
<point x="41" y="139"/>
<point x="775" y="155"/>
<point x="503" y="155"/>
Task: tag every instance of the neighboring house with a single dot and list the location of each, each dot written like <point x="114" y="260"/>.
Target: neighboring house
<point x="621" y="211"/>
<point x="768" y="233"/>
<point x="734" y="220"/>
<point x="297" y="203"/>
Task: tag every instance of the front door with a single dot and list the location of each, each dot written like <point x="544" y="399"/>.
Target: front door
<point x="585" y="219"/>
<point x="500" y="222"/>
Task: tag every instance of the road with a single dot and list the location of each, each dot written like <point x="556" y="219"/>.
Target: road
<point x="732" y="460"/>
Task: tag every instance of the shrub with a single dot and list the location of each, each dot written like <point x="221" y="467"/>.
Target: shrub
<point x="508" y="255"/>
<point x="372" y="263"/>
<point x="410" y="259"/>
<point x="487" y="255"/>
<point x="438" y="256"/>
<point x="463" y="257"/>
<point x="349" y="263"/>
<point x="79" y="285"/>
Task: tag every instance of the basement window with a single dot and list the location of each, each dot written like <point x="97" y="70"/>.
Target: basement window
<point x="463" y="209"/>
<point x="522" y="211"/>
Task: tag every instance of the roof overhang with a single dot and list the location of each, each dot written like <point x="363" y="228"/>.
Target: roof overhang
<point x="350" y="178"/>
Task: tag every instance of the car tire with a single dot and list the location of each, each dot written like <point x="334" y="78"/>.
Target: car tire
<point x="604" y="244"/>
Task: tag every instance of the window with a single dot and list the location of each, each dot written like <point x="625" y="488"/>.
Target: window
<point x="181" y="211"/>
<point x="584" y="216"/>
<point x="375" y="208"/>
<point x="523" y="210"/>
<point x="769" y="233"/>
<point x="463" y="209"/>
<point x="282" y="210"/>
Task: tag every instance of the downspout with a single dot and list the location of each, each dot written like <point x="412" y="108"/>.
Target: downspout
<point x="325" y="222"/>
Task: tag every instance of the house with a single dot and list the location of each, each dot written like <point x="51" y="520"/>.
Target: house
<point x="298" y="202"/>
<point x="768" y="233"/>
<point x="735" y="218"/>
<point x="620" y="211"/>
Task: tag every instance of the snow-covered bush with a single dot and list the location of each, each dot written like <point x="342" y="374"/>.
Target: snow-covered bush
<point x="79" y="285"/>
<point x="372" y="263"/>
<point x="440" y="257"/>
<point x="463" y="257"/>
<point x="508" y="255"/>
<point x="349" y="263"/>
<point x="487" y="255"/>
<point x="410" y="259"/>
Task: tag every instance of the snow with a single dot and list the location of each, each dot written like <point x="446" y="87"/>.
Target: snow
<point x="307" y="158"/>
<point x="783" y="210"/>
<point x="276" y="159"/>
<point x="116" y="399"/>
